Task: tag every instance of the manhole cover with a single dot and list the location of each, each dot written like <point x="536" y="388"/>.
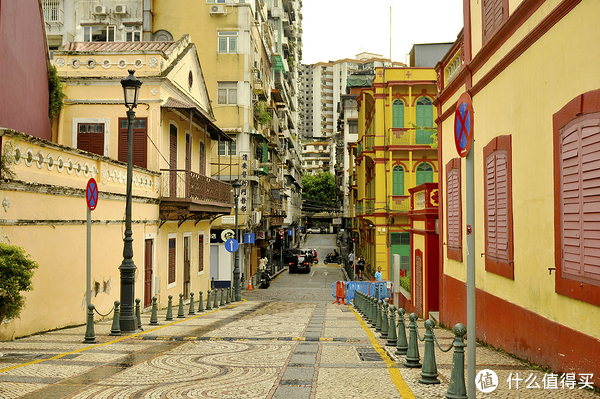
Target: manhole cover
<point x="368" y="355"/>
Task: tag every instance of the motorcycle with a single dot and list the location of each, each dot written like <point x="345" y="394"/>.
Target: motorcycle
<point x="333" y="258"/>
<point x="265" y="279"/>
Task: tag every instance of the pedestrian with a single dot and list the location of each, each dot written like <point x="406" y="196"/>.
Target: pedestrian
<point x="351" y="261"/>
<point x="361" y="267"/>
<point x="378" y="274"/>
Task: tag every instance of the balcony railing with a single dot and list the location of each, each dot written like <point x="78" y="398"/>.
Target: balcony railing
<point x="410" y="136"/>
<point x="369" y="142"/>
<point x="399" y="203"/>
<point x="177" y="183"/>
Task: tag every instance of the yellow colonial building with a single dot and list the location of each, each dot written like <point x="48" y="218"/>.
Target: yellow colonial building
<point x="173" y="198"/>
<point x="394" y="153"/>
<point x="530" y="70"/>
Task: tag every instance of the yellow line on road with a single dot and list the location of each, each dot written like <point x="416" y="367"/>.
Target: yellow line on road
<point x="111" y="342"/>
<point x="404" y="390"/>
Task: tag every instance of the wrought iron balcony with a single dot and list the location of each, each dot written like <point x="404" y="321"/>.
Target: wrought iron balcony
<point x="188" y="195"/>
<point x="410" y="136"/>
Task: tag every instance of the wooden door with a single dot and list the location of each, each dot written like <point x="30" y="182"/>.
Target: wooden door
<point x="148" y="272"/>
<point x="186" y="267"/>
<point x="173" y="162"/>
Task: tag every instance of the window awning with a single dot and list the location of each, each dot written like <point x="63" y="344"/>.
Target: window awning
<point x="198" y="117"/>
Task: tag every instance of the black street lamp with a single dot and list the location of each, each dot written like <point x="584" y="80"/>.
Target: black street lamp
<point x="236" y="266"/>
<point x="127" y="320"/>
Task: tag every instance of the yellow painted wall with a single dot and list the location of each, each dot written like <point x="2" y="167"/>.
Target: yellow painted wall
<point x="539" y="83"/>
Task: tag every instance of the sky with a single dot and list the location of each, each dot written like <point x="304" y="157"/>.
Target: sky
<point x="337" y="29"/>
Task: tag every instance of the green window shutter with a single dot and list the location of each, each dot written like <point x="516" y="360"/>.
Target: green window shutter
<point x="398" y="180"/>
<point x="424" y="173"/>
<point x="398" y="114"/>
<point x="424" y="119"/>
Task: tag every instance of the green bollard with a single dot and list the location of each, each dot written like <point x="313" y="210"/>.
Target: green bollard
<point x="154" y="316"/>
<point x="191" y="311"/>
<point x="373" y="316"/>
<point x="208" y="305"/>
<point x="392" y="338"/>
<point x="429" y="374"/>
<point x="384" y="319"/>
<point x="222" y="296"/>
<point x="402" y="344"/>
<point x="170" y="309"/>
<point x="200" y="303"/>
<point x="227" y="296"/>
<point x="216" y="301"/>
<point x="457" y="388"/>
<point x="138" y="314"/>
<point x="116" y="326"/>
<point x="378" y="320"/>
<point x="90" y="335"/>
<point x="413" y="359"/>
<point x="180" y="313"/>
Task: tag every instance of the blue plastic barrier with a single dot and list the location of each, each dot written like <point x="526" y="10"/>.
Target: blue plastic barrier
<point x="366" y="287"/>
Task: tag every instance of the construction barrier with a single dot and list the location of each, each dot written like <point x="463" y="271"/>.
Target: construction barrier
<point x="339" y="289"/>
<point x="383" y="289"/>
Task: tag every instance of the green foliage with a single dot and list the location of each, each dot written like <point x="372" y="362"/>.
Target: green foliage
<point x="320" y="188"/>
<point x="433" y="133"/>
<point x="260" y="113"/>
<point x="57" y="96"/>
<point x="405" y="283"/>
<point x="16" y="275"/>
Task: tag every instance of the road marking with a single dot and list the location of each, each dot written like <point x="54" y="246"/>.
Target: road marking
<point x="392" y="367"/>
<point x="313" y="273"/>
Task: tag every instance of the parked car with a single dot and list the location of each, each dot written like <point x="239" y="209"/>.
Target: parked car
<point x="313" y="230"/>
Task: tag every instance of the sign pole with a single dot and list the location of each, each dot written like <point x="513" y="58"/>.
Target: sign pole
<point x="463" y="140"/>
<point x="471" y="361"/>
<point x="88" y="288"/>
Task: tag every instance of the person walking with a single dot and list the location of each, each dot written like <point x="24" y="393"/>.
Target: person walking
<point x="351" y="261"/>
<point x="378" y="276"/>
<point x="361" y="267"/>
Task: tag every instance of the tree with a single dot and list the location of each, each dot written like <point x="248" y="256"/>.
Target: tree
<point x="319" y="192"/>
<point x="16" y="275"/>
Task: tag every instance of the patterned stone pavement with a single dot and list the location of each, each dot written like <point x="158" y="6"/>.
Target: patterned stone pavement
<point x="251" y="349"/>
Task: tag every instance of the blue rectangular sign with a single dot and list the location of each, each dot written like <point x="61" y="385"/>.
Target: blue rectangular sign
<point x="249" y="238"/>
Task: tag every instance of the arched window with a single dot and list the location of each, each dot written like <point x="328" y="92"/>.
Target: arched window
<point x="424" y="173"/>
<point x="398" y="113"/>
<point x="424" y="119"/>
<point x="398" y="180"/>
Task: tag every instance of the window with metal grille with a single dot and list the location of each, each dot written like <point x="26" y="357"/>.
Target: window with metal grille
<point x="498" y="207"/>
<point x="228" y="42"/>
<point x="453" y="213"/>
<point x="227" y="93"/>
<point x="400" y="239"/>
<point x="90" y="137"/>
<point x="172" y="258"/>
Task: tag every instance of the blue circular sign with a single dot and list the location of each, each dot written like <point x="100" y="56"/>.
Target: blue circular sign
<point x="463" y="125"/>
<point x="231" y="245"/>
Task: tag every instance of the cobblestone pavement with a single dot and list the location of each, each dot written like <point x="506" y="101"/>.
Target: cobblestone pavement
<point x="252" y="349"/>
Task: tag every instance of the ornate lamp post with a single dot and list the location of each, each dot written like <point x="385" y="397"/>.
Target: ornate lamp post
<point x="128" y="322"/>
<point x="236" y="267"/>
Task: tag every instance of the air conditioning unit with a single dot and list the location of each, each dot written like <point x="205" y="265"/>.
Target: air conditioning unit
<point x="254" y="164"/>
<point x="256" y="215"/>
<point x="217" y="9"/>
<point x="99" y="10"/>
<point x="120" y="9"/>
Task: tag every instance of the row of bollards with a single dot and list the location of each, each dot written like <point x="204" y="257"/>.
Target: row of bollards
<point x="380" y="315"/>
<point x="226" y="297"/>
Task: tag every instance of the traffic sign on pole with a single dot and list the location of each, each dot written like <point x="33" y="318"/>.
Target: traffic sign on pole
<point x="463" y="125"/>
<point x="91" y="194"/>
<point x="231" y="245"/>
